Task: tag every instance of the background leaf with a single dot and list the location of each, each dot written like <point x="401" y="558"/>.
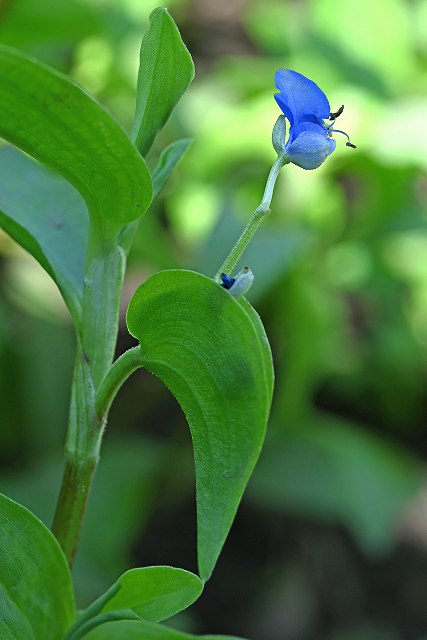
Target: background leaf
<point x="141" y="630"/>
<point x="336" y="471"/>
<point x="166" y="69"/>
<point x="47" y="216"/>
<point x="36" y="600"/>
<point x="50" y="30"/>
<point x="51" y="118"/>
<point x="207" y="349"/>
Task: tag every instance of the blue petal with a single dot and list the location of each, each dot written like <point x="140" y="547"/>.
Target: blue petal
<point x="227" y="281"/>
<point x="300" y="97"/>
<point x="306" y="125"/>
<point x="309" y="145"/>
<point x="332" y="145"/>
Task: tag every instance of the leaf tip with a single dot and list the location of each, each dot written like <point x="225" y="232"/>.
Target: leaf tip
<point x="159" y="11"/>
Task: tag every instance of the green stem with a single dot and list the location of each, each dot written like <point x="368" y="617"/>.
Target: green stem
<point x="86" y="624"/>
<point x="119" y="372"/>
<point x="262" y="210"/>
<point x="88" y="417"/>
<point x="96" y="341"/>
<point x="71" y="506"/>
<point x="100" y="312"/>
<point x="81" y="458"/>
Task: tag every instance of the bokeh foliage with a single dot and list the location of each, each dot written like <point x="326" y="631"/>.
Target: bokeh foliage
<point x="333" y="513"/>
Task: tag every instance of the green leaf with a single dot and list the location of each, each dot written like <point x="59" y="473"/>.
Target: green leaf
<point x="152" y="593"/>
<point x="212" y="353"/>
<point x="168" y="160"/>
<point x="141" y="630"/>
<point x="46" y="216"/>
<point x="36" y="597"/>
<point x="167" y="163"/>
<point x="327" y="467"/>
<point x="166" y="69"/>
<point x="48" y="116"/>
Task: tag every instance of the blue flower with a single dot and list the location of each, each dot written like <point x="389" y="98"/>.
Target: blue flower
<point x="306" y="107"/>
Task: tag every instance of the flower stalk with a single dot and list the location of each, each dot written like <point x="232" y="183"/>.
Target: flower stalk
<point x="260" y="212"/>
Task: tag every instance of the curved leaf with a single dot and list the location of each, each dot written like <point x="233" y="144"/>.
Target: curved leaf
<point x="166" y="69"/>
<point x="154" y="593"/>
<point x="36" y="597"/>
<point x="168" y="160"/>
<point x="141" y="630"/>
<point x="151" y="593"/>
<point x="212" y="353"/>
<point x="47" y="115"/>
<point x="46" y="216"/>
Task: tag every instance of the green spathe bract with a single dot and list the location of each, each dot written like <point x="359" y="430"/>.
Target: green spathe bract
<point x="214" y="357"/>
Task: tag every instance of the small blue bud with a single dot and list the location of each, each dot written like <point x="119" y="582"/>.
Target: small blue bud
<point x="239" y="285"/>
<point x="242" y="282"/>
<point x="227" y="281"/>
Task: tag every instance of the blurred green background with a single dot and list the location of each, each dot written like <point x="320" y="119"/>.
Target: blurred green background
<point x="331" y="540"/>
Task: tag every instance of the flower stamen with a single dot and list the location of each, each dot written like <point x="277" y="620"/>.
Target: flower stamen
<point x="347" y="144"/>
<point x="334" y="115"/>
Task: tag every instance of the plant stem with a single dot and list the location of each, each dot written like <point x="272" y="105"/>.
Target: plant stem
<point x="96" y="341"/>
<point x="100" y="311"/>
<point x="262" y="210"/>
<point x="85" y="624"/>
<point x="88" y="417"/>
<point x="72" y="501"/>
<point x="118" y="373"/>
<point x="81" y="459"/>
